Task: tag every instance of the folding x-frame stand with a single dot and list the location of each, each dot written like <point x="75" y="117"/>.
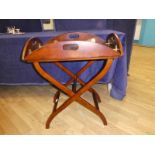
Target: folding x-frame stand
<point x="57" y="50"/>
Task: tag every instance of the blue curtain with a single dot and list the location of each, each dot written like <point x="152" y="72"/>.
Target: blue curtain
<point x="128" y="27"/>
<point x="79" y="24"/>
<point x="124" y="25"/>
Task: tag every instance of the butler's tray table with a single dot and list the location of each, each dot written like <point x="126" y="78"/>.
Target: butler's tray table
<point x="71" y="47"/>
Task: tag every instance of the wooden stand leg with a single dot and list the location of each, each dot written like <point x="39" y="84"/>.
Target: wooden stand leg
<point x="95" y="101"/>
<point x="74" y="86"/>
<point x="76" y="78"/>
<point x="74" y="96"/>
<point x="56" y="100"/>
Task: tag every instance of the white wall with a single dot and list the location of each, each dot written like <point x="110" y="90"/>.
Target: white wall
<point x="138" y="29"/>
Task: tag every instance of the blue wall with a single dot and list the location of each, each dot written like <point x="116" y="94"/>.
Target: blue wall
<point x="147" y="36"/>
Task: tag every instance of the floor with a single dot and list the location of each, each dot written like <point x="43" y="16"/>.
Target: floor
<point x="24" y="109"/>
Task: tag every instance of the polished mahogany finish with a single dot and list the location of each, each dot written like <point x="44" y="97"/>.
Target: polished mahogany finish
<point x="74" y="46"/>
<point x="76" y="50"/>
<point x="77" y="36"/>
<point x="31" y="45"/>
